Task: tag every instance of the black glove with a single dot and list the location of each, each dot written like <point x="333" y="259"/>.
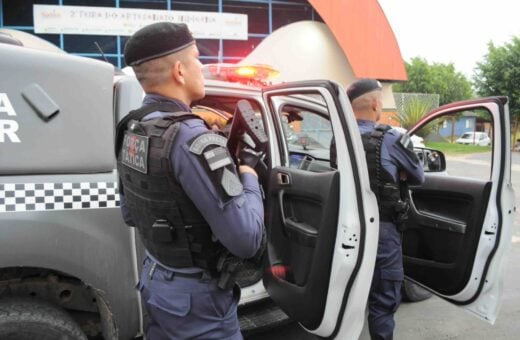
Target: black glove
<point x="249" y="157"/>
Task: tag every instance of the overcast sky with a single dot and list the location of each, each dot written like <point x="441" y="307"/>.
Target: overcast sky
<point x="455" y="31"/>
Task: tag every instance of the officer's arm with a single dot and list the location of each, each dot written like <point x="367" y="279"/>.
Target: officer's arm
<point x="237" y="221"/>
<point x="407" y="162"/>
<point x="412" y="168"/>
<point x="247" y="169"/>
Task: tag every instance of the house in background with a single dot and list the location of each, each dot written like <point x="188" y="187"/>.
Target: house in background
<point x="467" y="122"/>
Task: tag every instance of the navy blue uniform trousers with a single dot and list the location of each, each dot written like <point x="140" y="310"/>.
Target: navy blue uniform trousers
<point x="186" y="307"/>
<point x="385" y="292"/>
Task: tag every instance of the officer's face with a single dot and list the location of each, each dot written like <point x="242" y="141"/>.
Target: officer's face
<point x="194" y="77"/>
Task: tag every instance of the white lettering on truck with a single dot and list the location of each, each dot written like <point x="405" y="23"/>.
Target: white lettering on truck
<point x="8" y="127"/>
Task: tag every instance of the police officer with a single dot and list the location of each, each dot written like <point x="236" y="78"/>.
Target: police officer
<point x="194" y="210"/>
<point x="391" y="165"/>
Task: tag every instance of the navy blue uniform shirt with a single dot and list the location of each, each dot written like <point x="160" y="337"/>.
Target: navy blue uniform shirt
<point x="238" y="222"/>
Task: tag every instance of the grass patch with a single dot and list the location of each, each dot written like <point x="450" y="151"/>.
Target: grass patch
<point x="457" y="149"/>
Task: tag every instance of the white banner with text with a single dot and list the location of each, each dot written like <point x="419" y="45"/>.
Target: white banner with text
<point x="55" y="19"/>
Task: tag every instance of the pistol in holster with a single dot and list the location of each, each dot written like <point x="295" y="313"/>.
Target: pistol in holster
<point x="228" y="267"/>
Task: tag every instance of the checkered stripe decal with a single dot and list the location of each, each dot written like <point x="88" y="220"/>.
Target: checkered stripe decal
<point x="58" y="196"/>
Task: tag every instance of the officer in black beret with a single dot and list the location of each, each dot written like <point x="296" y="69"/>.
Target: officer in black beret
<point x="391" y="166"/>
<point x="181" y="189"/>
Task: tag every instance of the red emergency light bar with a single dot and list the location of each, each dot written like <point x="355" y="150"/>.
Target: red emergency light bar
<point x="245" y="74"/>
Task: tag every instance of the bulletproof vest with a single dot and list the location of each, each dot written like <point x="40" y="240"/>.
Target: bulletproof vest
<point x="382" y="183"/>
<point x="171" y="227"/>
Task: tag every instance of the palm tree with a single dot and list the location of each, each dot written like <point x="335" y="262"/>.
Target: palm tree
<point x="413" y="110"/>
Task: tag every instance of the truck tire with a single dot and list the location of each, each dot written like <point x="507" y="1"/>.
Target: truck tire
<point x="413" y="293"/>
<point x="32" y="319"/>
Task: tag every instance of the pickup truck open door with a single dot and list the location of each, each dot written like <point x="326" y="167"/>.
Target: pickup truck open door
<point x="322" y="218"/>
<point x="460" y="226"/>
<point x="321" y="215"/>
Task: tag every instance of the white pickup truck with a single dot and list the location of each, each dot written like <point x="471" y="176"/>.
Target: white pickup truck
<point x="67" y="258"/>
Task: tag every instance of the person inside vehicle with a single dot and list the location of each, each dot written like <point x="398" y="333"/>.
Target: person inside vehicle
<point x="391" y="166"/>
<point x="197" y="213"/>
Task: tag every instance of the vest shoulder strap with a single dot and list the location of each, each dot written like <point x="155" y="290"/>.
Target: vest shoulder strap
<point x="380" y="130"/>
<point x="383" y="127"/>
<point x="140" y="113"/>
<point x="372" y="144"/>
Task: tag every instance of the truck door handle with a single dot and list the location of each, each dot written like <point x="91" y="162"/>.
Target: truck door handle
<point x="283" y="178"/>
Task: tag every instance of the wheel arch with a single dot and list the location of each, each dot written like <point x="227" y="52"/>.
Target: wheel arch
<point x="91" y="248"/>
<point x="82" y="302"/>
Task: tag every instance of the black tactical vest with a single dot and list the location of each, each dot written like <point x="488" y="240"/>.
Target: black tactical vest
<point x="171" y="227"/>
<point x="386" y="189"/>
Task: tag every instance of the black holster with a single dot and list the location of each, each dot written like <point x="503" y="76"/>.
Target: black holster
<point x="401" y="214"/>
<point x="228" y="267"/>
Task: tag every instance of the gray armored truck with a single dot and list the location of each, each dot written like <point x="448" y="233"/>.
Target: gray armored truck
<point x="69" y="265"/>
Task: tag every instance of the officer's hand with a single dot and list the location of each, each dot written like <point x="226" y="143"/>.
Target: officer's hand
<point x="403" y="176"/>
<point x="250" y="157"/>
<point x="247" y="169"/>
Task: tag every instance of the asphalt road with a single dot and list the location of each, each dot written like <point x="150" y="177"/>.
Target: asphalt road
<point x="435" y="318"/>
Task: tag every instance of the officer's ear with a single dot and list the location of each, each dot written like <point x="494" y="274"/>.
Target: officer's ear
<point x="177" y="72"/>
<point x="377" y="102"/>
<point x="374" y="104"/>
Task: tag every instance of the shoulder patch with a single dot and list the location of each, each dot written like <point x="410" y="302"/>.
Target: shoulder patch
<point x="231" y="183"/>
<point x="217" y="158"/>
<point x="405" y="141"/>
<point x="211" y="150"/>
<point x="407" y="146"/>
<point x="205" y="140"/>
<point x="134" y="152"/>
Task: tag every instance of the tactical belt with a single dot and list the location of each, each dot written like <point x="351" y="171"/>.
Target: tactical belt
<point x="172" y="274"/>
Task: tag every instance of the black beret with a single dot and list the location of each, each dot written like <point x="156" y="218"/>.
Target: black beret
<point x="361" y="87"/>
<point x="155" y="41"/>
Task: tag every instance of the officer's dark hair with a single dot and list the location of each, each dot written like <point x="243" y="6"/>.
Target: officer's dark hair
<point x="155" y="72"/>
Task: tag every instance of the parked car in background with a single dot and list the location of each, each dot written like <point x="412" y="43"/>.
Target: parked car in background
<point x="474" y="138"/>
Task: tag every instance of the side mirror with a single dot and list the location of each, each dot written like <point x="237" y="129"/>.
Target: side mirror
<point x="431" y="160"/>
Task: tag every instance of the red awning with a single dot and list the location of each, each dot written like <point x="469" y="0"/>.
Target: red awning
<point x="365" y="35"/>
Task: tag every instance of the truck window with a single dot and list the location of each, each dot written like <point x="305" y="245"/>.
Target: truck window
<point x="308" y="136"/>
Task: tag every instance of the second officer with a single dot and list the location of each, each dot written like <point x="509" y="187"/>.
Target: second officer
<point x="392" y="165"/>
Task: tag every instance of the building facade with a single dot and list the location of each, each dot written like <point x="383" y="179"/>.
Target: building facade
<point x="264" y="17"/>
<point x="360" y="30"/>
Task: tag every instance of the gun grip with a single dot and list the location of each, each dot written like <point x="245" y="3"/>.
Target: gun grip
<point x="253" y="126"/>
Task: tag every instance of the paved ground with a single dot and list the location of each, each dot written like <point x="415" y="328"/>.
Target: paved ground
<point x="437" y="319"/>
